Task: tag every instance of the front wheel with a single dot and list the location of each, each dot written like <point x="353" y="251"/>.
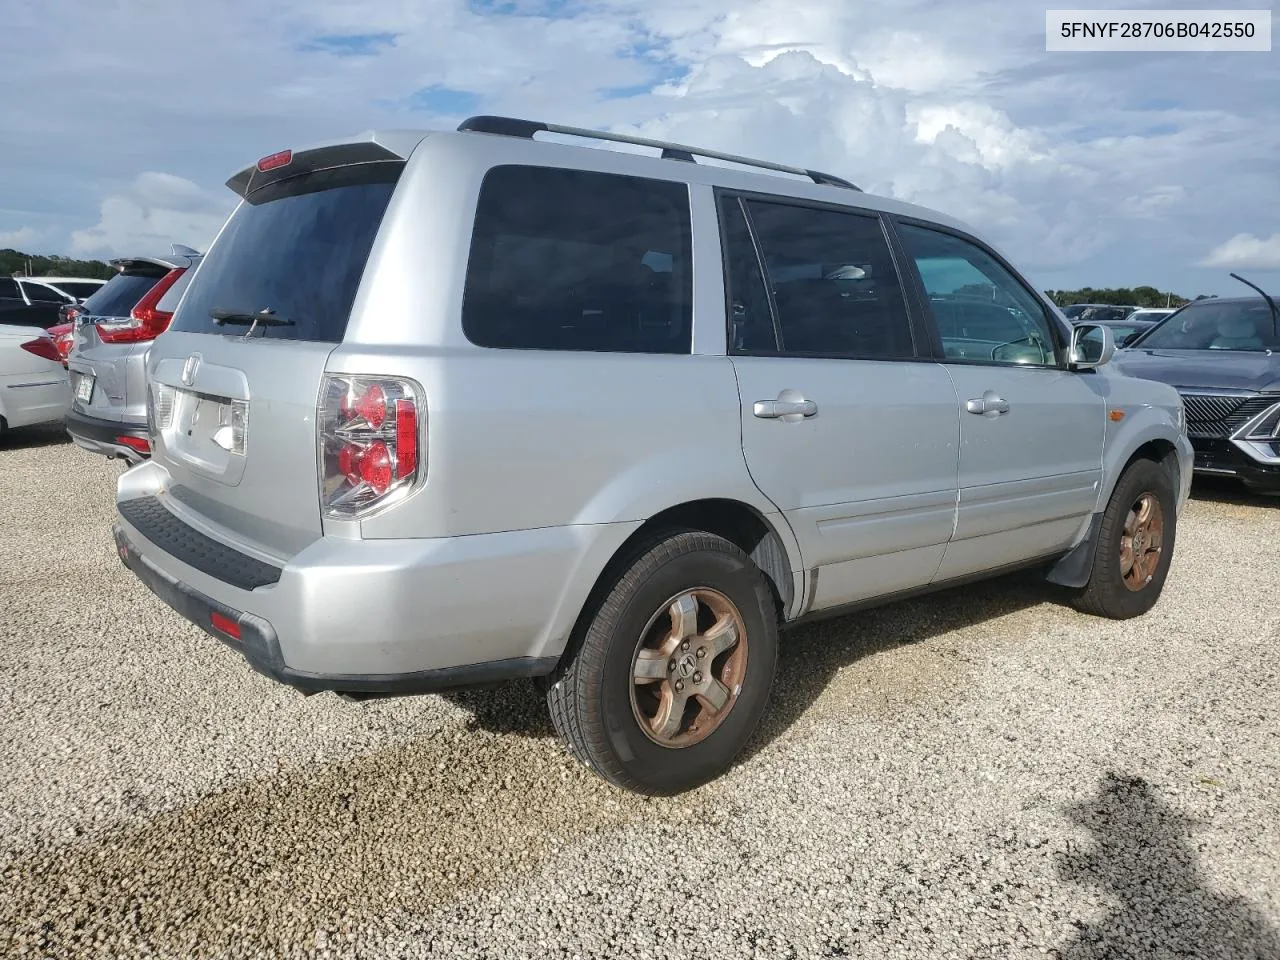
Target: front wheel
<point x="674" y="669"/>
<point x="1135" y="545"/>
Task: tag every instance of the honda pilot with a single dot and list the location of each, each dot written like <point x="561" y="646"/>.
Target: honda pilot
<point x="442" y="409"/>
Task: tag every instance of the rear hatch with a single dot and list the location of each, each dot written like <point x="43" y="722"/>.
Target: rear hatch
<point x="106" y="364"/>
<point x="235" y="381"/>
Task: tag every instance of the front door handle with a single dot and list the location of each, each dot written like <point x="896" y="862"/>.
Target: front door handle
<point x="789" y="407"/>
<point x="988" y="405"/>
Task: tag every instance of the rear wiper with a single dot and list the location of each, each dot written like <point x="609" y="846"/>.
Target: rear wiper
<point x="266" y="317"/>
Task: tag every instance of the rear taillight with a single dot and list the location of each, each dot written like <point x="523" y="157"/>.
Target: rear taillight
<point x="64" y="338"/>
<point x="369" y="437"/>
<point x="145" y="322"/>
<point x="43" y="347"/>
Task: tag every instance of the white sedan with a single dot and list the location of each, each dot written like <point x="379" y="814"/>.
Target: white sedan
<point x="34" y="385"/>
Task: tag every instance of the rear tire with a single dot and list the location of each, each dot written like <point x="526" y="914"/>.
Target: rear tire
<point x="1135" y="545"/>
<point x="674" y="669"/>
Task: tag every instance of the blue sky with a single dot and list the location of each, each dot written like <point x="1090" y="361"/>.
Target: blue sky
<point x="1102" y="169"/>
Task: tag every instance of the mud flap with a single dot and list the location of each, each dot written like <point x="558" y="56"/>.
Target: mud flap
<point x="1076" y="567"/>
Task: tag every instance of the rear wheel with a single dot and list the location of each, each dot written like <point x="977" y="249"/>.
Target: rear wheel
<point x="674" y="669"/>
<point x="1135" y="545"/>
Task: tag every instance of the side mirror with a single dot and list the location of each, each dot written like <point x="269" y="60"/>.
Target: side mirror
<point x="1092" y="346"/>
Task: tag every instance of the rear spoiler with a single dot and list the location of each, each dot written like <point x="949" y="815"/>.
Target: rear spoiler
<point x="287" y="165"/>
<point x="180" y="253"/>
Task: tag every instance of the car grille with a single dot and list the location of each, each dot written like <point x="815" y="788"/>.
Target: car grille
<point x="1212" y="415"/>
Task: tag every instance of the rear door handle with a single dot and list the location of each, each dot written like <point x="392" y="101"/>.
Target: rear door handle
<point x="987" y="405"/>
<point x="789" y="407"/>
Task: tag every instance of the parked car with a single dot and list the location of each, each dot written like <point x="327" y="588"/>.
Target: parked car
<point x="1097" y="312"/>
<point x="113" y="331"/>
<point x="33" y="382"/>
<point x="450" y="408"/>
<point x="1223" y="356"/>
<point x="1124" y="331"/>
<point x="35" y="301"/>
<point x="1150" y="315"/>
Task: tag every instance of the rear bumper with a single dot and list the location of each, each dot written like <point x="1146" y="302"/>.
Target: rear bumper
<point x="260" y="646"/>
<point x="1215" y="457"/>
<point x="378" y="616"/>
<point x="103" y="436"/>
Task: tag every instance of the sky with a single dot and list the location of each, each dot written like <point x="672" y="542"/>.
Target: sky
<point x="124" y="118"/>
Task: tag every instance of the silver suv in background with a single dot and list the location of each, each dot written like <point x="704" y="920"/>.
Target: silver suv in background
<point x="112" y="333"/>
<point x="447" y="408"/>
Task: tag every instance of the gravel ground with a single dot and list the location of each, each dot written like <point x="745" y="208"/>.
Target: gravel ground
<point x="983" y="773"/>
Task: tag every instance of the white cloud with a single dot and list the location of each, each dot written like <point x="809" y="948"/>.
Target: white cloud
<point x="21" y="239"/>
<point x="1244" y="251"/>
<point x="150" y="214"/>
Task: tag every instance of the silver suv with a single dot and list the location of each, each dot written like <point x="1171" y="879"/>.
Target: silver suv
<point x="448" y="408"/>
<point x="111" y="336"/>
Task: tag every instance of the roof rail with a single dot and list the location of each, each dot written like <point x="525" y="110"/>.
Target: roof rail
<point x="513" y="127"/>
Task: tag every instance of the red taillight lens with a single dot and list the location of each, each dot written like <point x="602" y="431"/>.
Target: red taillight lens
<point x="225" y="625"/>
<point x="369" y="442"/>
<point x="145" y="321"/>
<point x="43" y="347"/>
<point x="64" y="339"/>
<point x="406" y="439"/>
<point x="271" y="162"/>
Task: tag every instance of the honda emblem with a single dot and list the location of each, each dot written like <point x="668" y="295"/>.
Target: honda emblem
<point x="189" y="369"/>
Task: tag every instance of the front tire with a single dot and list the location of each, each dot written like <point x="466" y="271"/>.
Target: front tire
<point x="674" y="669"/>
<point x="1135" y="545"/>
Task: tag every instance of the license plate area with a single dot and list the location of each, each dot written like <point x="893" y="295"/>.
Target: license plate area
<point x="199" y="436"/>
<point x="84" y="387"/>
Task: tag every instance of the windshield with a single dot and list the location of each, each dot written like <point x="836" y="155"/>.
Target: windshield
<point x="1215" y="326"/>
<point x="299" y="252"/>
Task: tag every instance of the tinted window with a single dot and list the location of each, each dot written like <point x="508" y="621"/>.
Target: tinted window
<point x="80" y="289"/>
<point x="1215" y="326"/>
<point x="298" y="251"/>
<point x="573" y="260"/>
<point x="121" y="293"/>
<point x="982" y="311"/>
<point x="9" y="288"/>
<point x="39" y="293"/>
<point x="751" y="328"/>
<point x="833" y="282"/>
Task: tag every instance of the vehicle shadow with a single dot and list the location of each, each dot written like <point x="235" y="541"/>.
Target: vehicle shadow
<point x="1143" y="861"/>
<point x="809" y="655"/>
<point x="31" y="438"/>
<point x="1227" y="490"/>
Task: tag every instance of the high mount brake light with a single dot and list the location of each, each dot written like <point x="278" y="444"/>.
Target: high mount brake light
<point x="368" y="436"/>
<point x="145" y="322"/>
<point x="281" y="159"/>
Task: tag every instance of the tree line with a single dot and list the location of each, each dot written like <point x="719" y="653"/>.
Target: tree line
<point x="1120" y="296"/>
<point x="17" y="263"/>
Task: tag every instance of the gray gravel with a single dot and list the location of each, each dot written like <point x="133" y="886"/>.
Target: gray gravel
<point x="984" y="773"/>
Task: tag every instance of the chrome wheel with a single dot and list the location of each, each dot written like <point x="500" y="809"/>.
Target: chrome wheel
<point x="688" y="667"/>
<point x="1142" y="541"/>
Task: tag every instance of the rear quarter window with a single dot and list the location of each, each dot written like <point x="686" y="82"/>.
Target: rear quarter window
<point x="577" y="260"/>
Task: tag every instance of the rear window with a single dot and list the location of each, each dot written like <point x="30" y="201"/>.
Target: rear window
<point x="575" y="260"/>
<point x="121" y="293"/>
<point x="297" y="248"/>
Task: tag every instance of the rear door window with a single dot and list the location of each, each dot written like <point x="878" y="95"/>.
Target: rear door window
<point x="79" y="288"/>
<point x="121" y="293"/>
<point x="577" y="260"/>
<point x="832" y="278"/>
<point x="39" y="293"/>
<point x="297" y="248"/>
